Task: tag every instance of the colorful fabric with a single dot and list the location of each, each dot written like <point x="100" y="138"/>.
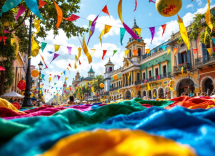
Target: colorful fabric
<point x="5" y="104"/>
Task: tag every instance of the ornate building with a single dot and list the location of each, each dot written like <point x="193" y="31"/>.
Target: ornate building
<point x="109" y="67"/>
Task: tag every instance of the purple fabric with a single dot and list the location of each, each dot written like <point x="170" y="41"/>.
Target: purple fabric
<point x="20" y="12"/>
<point x="152" y="29"/>
<point x="69" y="50"/>
<point x="130" y="32"/>
<point x="92" y="28"/>
<point x="58" y="77"/>
<point x="55" y="56"/>
<point x="82" y="108"/>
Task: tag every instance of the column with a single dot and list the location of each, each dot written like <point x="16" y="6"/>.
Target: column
<point x="131" y="77"/>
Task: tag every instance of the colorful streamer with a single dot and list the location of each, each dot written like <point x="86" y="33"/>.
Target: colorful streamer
<point x="135" y="5"/>
<point x="34" y="44"/>
<point x="92" y="29"/>
<point x="164" y="28"/>
<point x="208" y="17"/>
<point x="182" y="70"/>
<point x="104" y="31"/>
<point x="79" y="52"/>
<point x="85" y="49"/>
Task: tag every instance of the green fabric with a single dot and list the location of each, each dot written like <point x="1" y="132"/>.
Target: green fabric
<point x="122" y="33"/>
<point x="114" y="52"/>
<point x="161" y="104"/>
<point x="43" y="45"/>
<point x="90" y="22"/>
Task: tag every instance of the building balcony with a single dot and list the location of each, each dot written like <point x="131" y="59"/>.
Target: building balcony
<point x="105" y="93"/>
<point x="204" y="61"/>
<point x="115" y="88"/>
<point x="177" y="69"/>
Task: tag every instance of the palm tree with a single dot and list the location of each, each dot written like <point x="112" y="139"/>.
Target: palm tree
<point x="97" y="81"/>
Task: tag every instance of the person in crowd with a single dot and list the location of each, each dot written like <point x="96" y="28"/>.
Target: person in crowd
<point x="183" y="94"/>
<point x="71" y="100"/>
<point x="11" y="100"/>
<point x="194" y="95"/>
<point x="208" y="92"/>
<point x="15" y="100"/>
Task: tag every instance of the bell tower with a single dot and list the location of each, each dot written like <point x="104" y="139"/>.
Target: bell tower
<point x="109" y="67"/>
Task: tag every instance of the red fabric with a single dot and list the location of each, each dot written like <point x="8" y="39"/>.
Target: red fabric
<point x="135" y="5"/>
<point x="72" y="18"/>
<point x="104" y="52"/>
<point x="194" y="51"/>
<point x="79" y="62"/>
<point x="105" y="10"/>
<point x="164" y="28"/>
<point x="16" y="104"/>
<point x="41" y="3"/>
<point x="147" y="105"/>
<point x="6" y="112"/>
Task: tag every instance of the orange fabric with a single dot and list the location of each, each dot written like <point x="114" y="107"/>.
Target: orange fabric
<point x="135" y="52"/>
<point x="16" y="104"/>
<point x="59" y="14"/>
<point x="117" y="142"/>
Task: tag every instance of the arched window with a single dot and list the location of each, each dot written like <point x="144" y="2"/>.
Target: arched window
<point x="139" y="52"/>
<point x="110" y="69"/>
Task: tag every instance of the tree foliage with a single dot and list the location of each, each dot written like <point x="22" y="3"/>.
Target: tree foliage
<point x="97" y="81"/>
<point x="49" y="13"/>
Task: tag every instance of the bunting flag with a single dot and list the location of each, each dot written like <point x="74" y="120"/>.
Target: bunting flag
<point x="158" y="77"/>
<point x="66" y="78"/>
<point x="105" y="10"/>
<point x="183" y="32"/>
<point x="69" y="50"/>
<point x="75" y="66"/>
<point x="70" y="65"/>
<point x="135" y="5"/>
<point x="2" y="68"/>
<point x="56" y="47"/>
<point x="68" y="69"/>
<point x="206" y="32"/>
<point x="114" y="52"/>
<point x="194" y="51"/>
<point x="92" y="52"/>
<point x="168" y="50"/>
<point x="92" y="29"/>
<point x="43" y="77"/>
<point x="148" y="87"/>
<point x="93" y="90"/>
<point x="104" y="31"/>
<point x="55" y="56"/>
<point x="164" y="47"/>
<point x="164" y="28"/>
<point x="129" y="75"/>
<point x="41" y="3"/>
<point x="17" y="43"/>
<point x="64" y="72"/>
<point x="213" y="39"/>
<point x="126" y="52"/>
<point x="79" y="62"/>
<point x="154" y="94"/>
<point x="122" y="33"/>
<point x="85" y="49"/>
<point x="147" y="51"/>
<point x="104" y="52"/>
<point x="125" y="26"/>
<point x="43" y="45"/>
<point x="55" y="83"/>
<point x="135" y="52"/>
<point x="79" y="52"/>
<point x="90" y="22"/>
<point x="20" y="12"/>
<point x="50" y="78"/>
<point x="152" y="29"/>
<point x="72" y="18"/>
<point x="44" y="62"/>
<point x="208" y="17"/>
<point x="138" y="30"/>
<point x="175" y="50"/>
<point x="182" y="70"/>
<point x="34" y="45"/>
<point x="3" y="38"/>
<point x="209" y="50"/>
<point x="58" y="77"/>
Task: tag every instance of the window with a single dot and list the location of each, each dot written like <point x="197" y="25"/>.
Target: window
<point x="138" y="76"/>
<point x="130" y="53"/>
<point x="139" y="52"/>
<point x="144" y="75"/>
<point x="175" y="61"/>
<point x="182" y="44"/>
<point x="156" y="72"/>
<point x="164" y="69"/>
<point x="150" y="74"/>
<point x="110" y="69"/>
<point x="184" y="57"/>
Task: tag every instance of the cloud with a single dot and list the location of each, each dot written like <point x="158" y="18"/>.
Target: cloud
<point x="199" y="2"/>
<point x="150" y="14"/>
<point x="102" y="20"/>
<point x="189" y="6"/>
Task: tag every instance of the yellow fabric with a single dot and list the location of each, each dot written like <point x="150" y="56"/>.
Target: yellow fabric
<point x="6" y="104"/>
<point x="67" y="68"/>
<point x="209" y="50"/>
<point x="66" y="78"/>
<point x="85" y="49"/>
<point x="92" y="52"/>
<point x="182" y="70"/>
<point x="168" y="50"/>
<point x="138" y="30"/>
<point x="34" y="44"/>
<point x="76" y="58"/>
<point x="126" y="52"/>
<point x="129" y="75"/>
<point x="206" y="32"/>
<point x="93" y="90"/>
<point x="104" y="31"/>
<point x="118" y="143"/>
<point x="17" y="43"/>
<point x="61" y="73"/>
<point x="147" y="51"/>
<point x="208" y="17"/>
<point x="120" y="10"/>
<point x="12" y="41"/>
<point x="50" y="78"/>
<point x="183" y="32"/>
<point x="171" y="89"/>
<point x="154" y="94"/>
<point x="148" y="87"/>
<point x="56" y="47"/>
<point x="79" y="52"/>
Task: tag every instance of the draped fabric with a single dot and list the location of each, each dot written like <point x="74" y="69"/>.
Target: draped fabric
<point x="85" y="49"/>
<point x="208" y="17"/>
<point x="34" y="44"/>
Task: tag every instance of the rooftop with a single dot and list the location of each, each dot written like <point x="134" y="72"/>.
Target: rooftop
<point x="91" y="70"/>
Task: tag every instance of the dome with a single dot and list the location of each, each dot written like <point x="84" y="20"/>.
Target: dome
<point x="91" y="70"/>
<point x="109" y="63"/>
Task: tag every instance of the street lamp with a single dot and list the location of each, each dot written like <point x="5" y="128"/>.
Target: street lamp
<point x="188" y="72"/>
<point x="40" y="80"/>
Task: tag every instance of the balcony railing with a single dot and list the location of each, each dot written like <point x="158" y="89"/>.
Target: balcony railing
<point x="115" y="88"/>
<point x="204" y="60"/>
<point x="177" y="69"/>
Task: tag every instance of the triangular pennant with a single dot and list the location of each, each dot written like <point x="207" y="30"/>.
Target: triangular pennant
<point x="43" y="45"/>
<point x="168" y="50"/>
<point x="164" y="28"/>
<point x="209" y="50"/>
<point x="147" y="51"/>
<point x="105" y="10"/>
<point x="122" y="33"/>
<point x="66" y="78"/>
<point x="70" y="65"/>
<point x="50" y="78"/>
<point x="152" y="29"/>
<point x="55" y="56"/>
<point x="72" y="18"/>
<point x="135" y="52"/>
<point x="69" y="50"/>
<point x="64" y="72"/>
<point x="126" y="52"/>
<point x="56" y="47"/>
<point x="90" y="22"/>
<point x="194" y="51"/>
<point x="104" y="52"/>
<point x="138" y="30"/>
<point x="114" y="52"/>
<point x="175" y="50"/>
<point x="58" y="77"/>
<point x="79" y="62"/>
<point x="92" y="52"/>
<point x="20" y="12"/>
<point x="41" y="3"/>
<point x="1" y="68"/>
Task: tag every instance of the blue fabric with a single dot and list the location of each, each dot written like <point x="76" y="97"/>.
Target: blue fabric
<point x="33" y="6"/>
<point x="97" y="103"/>
<point x="213" y="39"/>
<point x="9" y="4"/>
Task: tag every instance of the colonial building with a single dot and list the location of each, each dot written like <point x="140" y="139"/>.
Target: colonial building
<point x="109" y="67"/>
<point x="116" y="85"/>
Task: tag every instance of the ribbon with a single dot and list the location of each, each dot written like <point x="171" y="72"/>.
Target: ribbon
<point x="92" y="29"/>
<point x="43" y="45"/>
<point x="183" y="32"/>
<point x="85" y="49"/>
<point x="34" y="44"/>
<point x="44" y="61"/>
<point x="105" y="10"/>
<point x="126" y="52"/>
<point x="152" y="29"/>
<point x="114" y="52"/>
<point x="75" y="66"/>
<point x="20" y="12"/>
<point x="104" y="31"/>
<point x="135" y="5"/>
<point x="104" y="52"/>
<point x="164" y="28"/>
<point x="55" y="56"/>
<point x="208" y="17"/>
<point x="79" y="52"/>
<point x="122" y="33"/>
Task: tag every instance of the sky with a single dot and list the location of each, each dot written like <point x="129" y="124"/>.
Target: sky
<point x="146" y="16"/>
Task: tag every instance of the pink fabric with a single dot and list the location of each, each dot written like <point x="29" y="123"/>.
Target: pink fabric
<point x="82" y="108"/>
